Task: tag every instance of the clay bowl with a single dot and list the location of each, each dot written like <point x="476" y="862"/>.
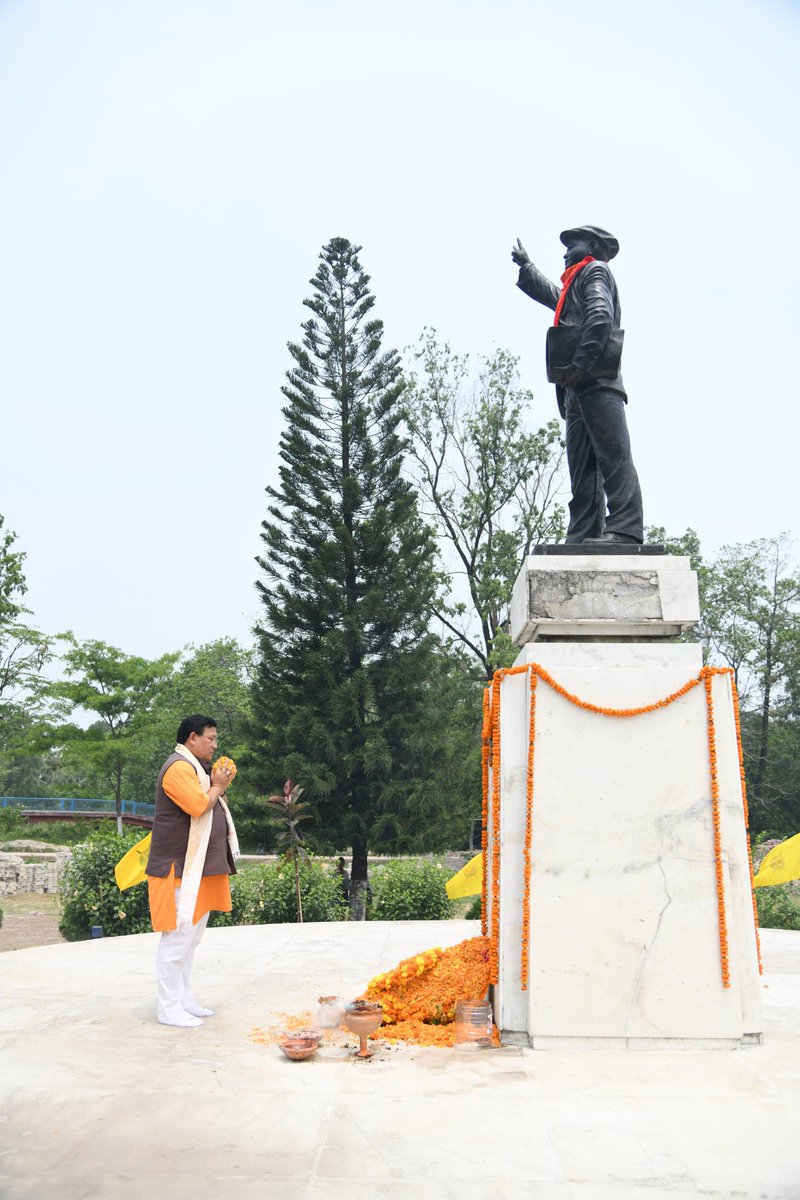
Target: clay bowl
<point x="298" y="1048"/>
<point x="316" y="1035"/>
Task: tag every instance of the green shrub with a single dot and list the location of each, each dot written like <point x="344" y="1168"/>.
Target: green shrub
<point x="89" y="894"/>
<point x="778" y="907"/>
<point x="60" y="833"/>
<point x="12" y="825"/>
<point x="1" y="918"/>
<point x="410" y="891"/>
<point x="265" y="895"/>
<point x="71" y="833"/>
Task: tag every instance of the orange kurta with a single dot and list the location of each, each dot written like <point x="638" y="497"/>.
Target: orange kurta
<point x="181" y="784"/>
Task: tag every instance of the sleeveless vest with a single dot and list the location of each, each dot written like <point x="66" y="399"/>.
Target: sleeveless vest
<point x="171" y="835"/>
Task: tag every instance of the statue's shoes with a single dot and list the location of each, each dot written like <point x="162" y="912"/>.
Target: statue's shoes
<point x="197" y="1010"/>
<point x="182" y="1020"/>
<point x="606" y="539"/>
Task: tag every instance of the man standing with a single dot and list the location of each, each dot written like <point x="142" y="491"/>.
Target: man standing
<point x="584" y="350"/>
<point x="192" y="853"/>
<point x="345" y="878"/>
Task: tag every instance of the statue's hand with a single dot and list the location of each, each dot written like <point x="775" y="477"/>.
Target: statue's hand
<point x="573" y="377"/>
<point x="520" y="254"/>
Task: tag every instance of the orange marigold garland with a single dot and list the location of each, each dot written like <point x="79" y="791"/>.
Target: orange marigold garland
<point x="547" y="678"/>
<point x="715" y="816"/>
<point x="494" y="932"/>
<point x="735" y="696"/>
<point x="486" y="743"/>
<point x="536" y="671"/>
<point x="526" y="847"/>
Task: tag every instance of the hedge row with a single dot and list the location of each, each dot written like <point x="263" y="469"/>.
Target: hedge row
<point x="401" y="891"/>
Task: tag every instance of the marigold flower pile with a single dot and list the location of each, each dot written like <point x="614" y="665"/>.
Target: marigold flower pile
<point x="419" y="995"/>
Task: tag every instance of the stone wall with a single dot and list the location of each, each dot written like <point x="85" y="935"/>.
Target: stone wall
<point x="31" y="867"/>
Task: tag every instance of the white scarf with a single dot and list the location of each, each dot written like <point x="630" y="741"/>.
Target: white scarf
<point x="197" y="848"/>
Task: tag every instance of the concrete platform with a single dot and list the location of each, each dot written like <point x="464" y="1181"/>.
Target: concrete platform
<point x="98" y="1102"/>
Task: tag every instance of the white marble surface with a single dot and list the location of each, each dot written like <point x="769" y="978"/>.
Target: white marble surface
<point x="603" y="596"/>
<point x="624" y="939"/>
<point x="98" y="1102"/>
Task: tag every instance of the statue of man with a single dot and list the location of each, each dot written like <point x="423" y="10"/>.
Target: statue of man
<point x="584" y="350"/>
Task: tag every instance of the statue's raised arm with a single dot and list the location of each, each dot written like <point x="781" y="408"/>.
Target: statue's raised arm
<point x="531" y="280"/>
<point x="519" y="254"/>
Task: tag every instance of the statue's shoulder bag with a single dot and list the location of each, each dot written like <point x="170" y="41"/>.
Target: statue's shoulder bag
<point x="562" y="341"/>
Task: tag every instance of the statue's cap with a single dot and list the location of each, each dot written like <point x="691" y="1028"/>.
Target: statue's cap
<point x="609" y="246"/>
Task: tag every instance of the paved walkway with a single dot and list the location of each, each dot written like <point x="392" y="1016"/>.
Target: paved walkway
<point x="99" y="1102"/>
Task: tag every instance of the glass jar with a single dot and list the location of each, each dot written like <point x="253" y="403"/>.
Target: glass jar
<point x="330" y="1013"/>
<point x="473" y="1024"/>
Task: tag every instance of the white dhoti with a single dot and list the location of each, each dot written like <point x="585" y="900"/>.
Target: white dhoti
<point x="176" y="1002"/>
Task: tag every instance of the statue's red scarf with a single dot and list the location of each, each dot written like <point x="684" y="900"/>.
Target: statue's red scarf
<point x="566" y="280"/>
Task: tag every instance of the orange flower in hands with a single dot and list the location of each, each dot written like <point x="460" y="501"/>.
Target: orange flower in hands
<point x="228" y="764"/>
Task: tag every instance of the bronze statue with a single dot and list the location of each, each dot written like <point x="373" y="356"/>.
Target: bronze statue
<point x="584" y="348"/>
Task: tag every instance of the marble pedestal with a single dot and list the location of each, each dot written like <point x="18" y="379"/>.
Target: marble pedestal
<point x="624" y="926"/>
<point x="609" y="595"/>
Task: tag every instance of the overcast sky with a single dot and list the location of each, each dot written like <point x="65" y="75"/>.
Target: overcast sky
<point x="171" y="168"/>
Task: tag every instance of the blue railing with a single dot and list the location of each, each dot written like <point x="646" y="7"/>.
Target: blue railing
<point x="70" y="804"/>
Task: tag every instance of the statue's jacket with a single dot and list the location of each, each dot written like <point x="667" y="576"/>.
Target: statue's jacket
<point x="592" y="303"/>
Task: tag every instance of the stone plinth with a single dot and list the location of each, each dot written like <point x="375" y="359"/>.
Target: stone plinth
<point x="603" y="596"/>
<point x="624" y="925"/>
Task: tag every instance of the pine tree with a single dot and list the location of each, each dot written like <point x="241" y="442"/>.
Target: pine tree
<point x="344" y="699"/>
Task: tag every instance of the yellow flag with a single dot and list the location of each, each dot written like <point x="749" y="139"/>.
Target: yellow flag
<point x="130" y="868"/>
<point x="468" y="881"/>
<point x="781" y="865"/>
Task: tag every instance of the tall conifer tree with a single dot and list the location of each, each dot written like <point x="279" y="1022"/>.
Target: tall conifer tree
<point x="343" y="695"/>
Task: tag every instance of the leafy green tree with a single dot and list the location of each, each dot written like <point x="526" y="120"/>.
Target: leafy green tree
<point x="121" y="690"/>
<point x="23" y="650"/>
<point x="751" y="619"/>
<point x="215" y="679"/>
<point x="342" y="697"/>
<point x="687" y="543"/>
<point x="489" y="484"/>
<point x="46" y="760"/>
<point x="442" y="817"/>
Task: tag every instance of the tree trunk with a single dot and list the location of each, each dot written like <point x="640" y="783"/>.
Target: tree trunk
<point x="358" y="899"/>
<point x="763" y="747"/>
<point x="358" y="881"/>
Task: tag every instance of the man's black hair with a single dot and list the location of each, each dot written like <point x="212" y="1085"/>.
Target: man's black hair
<point x="193" y="724"/>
